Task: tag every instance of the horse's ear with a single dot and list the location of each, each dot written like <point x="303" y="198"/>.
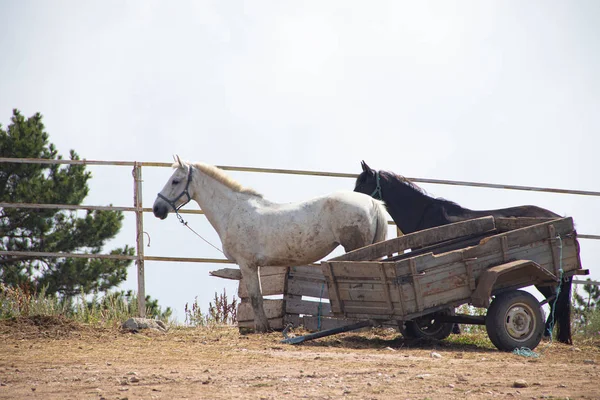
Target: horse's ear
<point x="365" y="167"/>
<point x="178" y="160"/>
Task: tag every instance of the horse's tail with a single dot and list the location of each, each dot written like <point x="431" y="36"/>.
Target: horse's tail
<point x="563" y="312"/>
<point x="381" y="221"/>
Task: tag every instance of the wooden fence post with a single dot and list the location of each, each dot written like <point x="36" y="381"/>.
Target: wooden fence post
<point x="139" y="219"/>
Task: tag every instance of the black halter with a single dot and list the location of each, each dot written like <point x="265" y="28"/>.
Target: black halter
<point x="185" y="192"/>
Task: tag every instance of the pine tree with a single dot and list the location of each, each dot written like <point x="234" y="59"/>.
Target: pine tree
<point x="45" y="230"/>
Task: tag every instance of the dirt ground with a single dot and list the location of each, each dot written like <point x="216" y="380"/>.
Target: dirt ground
<point x="51" y="358"/>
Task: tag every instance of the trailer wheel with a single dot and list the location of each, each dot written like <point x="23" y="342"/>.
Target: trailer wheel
<point x="514" y="320"/>
<point x="428" y="327"/>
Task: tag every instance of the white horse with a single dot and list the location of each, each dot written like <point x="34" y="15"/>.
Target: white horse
<point x="255" y="231"/>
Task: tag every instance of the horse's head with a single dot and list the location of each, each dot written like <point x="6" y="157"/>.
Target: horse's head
<point x="175" y="194"/>
<point x="367" y="181"/>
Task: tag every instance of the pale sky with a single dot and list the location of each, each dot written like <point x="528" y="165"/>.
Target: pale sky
<point x="502" y="92"/>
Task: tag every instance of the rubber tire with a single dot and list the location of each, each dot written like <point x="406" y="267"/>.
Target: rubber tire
<point x="515" y="320"/>
<point x="426" y="327"/>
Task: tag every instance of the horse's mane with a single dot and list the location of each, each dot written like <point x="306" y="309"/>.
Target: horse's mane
<point x="407" y="182"/>
<point x="222" y="177"/>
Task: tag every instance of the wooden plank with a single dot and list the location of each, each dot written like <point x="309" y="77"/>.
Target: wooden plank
<point x="554" y="249"/>
<point x="367" y="292"/>
<point x="311" y="323"/>
<point x="236" y="274"/>
<point x="386" y="288"/>
<point x="334" y="294"/>
<point x="268" y="270"/>
<point x="416" y="284"/>
<point x="307" y="281"/>
<point x="295" y="306"/>
<point x="531" y="234"/>
<point x="418" y="239"/>
<point x="270" y="285"/>
<point x="504" y="241"/>
<point x="273" y="309"/>
<point x="227" y="273"/>
<point x="511" y="223"/>
<point x="308" y="288"/>
<point x="308" y="271"/>
<point x="294" y="319"/>
<point x="443" y="247"/>
<point x="274" y="323"/>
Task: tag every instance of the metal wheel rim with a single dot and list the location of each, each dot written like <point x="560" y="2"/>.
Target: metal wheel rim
<point x="519" y="322"/>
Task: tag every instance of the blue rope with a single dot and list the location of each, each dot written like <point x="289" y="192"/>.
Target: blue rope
<point x="525" y="352"/>
<point x="320" y="308"/>
<point x="561" y="272"/>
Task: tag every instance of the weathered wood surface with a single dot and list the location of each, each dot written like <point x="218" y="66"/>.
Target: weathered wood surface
<point x="273" y="309"/>
<point x="306" y="307"/>
<point x="227" y="273"/>
<point x="411" y="287"/>
<point x="307" y="281"/>
<point x="270" y="284"/>
<point x="419" y="239"/>
<point x="236" y="274"/>
<point x="510" y="224"/>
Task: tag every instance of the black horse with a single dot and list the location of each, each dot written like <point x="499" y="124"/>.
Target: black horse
<point x="413" y="210"/>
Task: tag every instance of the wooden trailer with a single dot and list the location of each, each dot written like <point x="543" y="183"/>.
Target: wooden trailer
<point x="414" y="282"/>
<point x="420" y="278"/>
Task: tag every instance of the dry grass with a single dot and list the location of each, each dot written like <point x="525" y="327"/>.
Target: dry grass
<point x="76" y="361"/>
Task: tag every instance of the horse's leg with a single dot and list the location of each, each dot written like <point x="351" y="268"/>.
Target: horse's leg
<point x="250" y="275"/>
<point x="547" y="292"/>
<point x="563" y="310"/>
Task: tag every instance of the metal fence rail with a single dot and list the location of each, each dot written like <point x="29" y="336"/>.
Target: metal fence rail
<point x="139" y="210"/>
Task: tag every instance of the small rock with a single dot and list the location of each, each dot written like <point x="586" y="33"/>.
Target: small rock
<point x="134" y="379"/>
<point x="389" y="348"/>
<point x="137" y="324"/>
<point x="132" y="373"/>
<point x="33" y="389"/>
<point x="520" y="383"/>
<point x="589" y="362"/>
<point x="450" y="385"/>
<point x="422" y="376"/>
<point x="562" y="385"/>
<point x="575" y="349"/>
<point x="435" y="355"/>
